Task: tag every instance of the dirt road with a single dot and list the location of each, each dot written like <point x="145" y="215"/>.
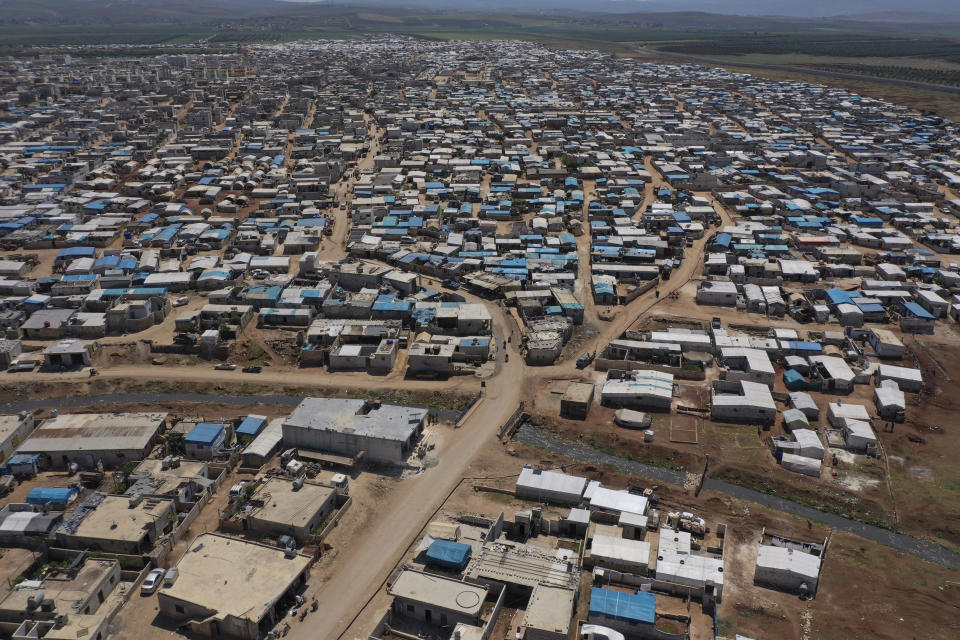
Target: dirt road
<point x="283" y="376"/>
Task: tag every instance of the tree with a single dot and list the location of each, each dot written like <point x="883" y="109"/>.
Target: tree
<point x="174" y="444"/>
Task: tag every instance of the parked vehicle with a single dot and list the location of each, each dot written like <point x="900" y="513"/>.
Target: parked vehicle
<point x="171" y="577"/>
<point x="152" y="582"/>
<point x="716" y="323"/>
<point x="179" y="302"/>
<point x="584" y="361"/>
<point x="256" y="369"/>
<point x="225" y="366"/>
<point x="22" y="365"/>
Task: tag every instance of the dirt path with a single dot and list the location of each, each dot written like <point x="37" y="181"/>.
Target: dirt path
<point x="280" y="376"/>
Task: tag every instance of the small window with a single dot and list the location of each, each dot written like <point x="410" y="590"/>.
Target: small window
<point x="178" y="608"/>
<point x="410" y="608"/>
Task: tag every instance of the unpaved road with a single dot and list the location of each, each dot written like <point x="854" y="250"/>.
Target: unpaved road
<point x="375" y="552"/>
<point x="280" y="376"/>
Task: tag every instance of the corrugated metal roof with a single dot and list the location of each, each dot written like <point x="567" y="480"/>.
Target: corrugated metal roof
<point x="628" y="607"/>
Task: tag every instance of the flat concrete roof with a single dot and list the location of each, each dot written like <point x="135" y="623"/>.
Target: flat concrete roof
<point x="439" y="591"/>
<point x="234" y="577"/>
<point x="158" y="481"/>
<point x="65" y="593"/>
<point x="578" y="392"/>
<point x="386" y="422"/>
<point x="113" y="519"/>
<point x="94" y="432"/>
<point x="550" y="609"/>
<point x="283" y="505"/>
<point x="614" y="548"/>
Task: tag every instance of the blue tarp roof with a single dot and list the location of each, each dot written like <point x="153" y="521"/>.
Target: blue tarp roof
<point x="204" y="433"/>
<point x="251" y="426"/>
<point x="23" y="458"/>
<point x="50" y="495"/>
<point x="917" y="310"/>
<point x="626" y="607"/>
<point x="449" y="554"/>
<point x="793" y="379"/>
<point x="76" y="252"/>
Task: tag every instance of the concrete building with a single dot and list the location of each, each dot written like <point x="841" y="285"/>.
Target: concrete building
<point x="13" y="430"/>
<point x="550" y="486"/>
<point x="279" y="508"/>
<point x="677" y="563"/>
<point x="384" y="432"/>
<point x="885" y="344"/>
<point x="615" y="501"/>
<point x="609" y="550"/>
<point x="638" y="389"/>
<point x="183" y="481"/>
<point x="576" y="401"/>
<point x="787" y="569"/>
<point x="428" y="357"/>
<point x="89" y="438"/>
<point x="747" y="364"/>
<point x="74" y="603"/>
<point x="890" y="401"/>
<point x="908" y="379"/>
<point x="205" y="440"/>
<point x="117" y="524"/>
<point x="742" y="401"/>
<point x="548" y="614"/>
<point x="437" y="600"/>
<point x="68" y="354"/>
<point x="232" y="588"/>
<point x="717" y="293"/>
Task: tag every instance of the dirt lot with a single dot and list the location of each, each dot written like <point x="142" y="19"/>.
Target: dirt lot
<point x="919" y="592"/>
<point x="920" y="497"/>
<point x="901" y="586"/>
<point x="455" y="399"/>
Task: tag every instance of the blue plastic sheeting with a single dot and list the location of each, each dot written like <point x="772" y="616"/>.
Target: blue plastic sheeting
<point x="794" y="380"/>
<point x="626" y="607"/>
<point x="76" y="252"/>
<point x="917" y="310"/>
<point x="205" y="433"/>
<point x="251" y="426"/>
<point x="51" y="495"/>
<point x="449" y="554"/>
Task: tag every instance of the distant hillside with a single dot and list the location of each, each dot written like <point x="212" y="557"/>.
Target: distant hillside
<point x="805" y="9"/>
<point x="130" y="11"/>
<point x="905" y="17"/>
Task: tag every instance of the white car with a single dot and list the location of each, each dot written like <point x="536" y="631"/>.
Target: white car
<point x="152" y="582"/>
<point x="179" y="302"/>
<point x="171" y="577"/>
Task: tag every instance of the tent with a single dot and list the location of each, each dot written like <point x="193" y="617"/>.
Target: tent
<point x="449" y="554"/>
<point x="50" y="495"/>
